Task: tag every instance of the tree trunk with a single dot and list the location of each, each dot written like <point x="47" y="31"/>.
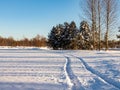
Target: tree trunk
<point x="99" y="23"/>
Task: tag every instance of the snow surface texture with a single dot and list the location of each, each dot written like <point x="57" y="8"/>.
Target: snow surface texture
<point x="44" y="69"/>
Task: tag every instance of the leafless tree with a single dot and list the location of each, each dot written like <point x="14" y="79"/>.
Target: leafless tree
<point x="99" y="22"/>
<point x="90" y="12"/>
<point x="110" y="7"/>
<point x="101" y="14"/>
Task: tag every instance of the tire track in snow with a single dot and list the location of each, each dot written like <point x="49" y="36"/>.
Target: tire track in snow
<point x="72" y="80"/>
<point x="110" y="81"/>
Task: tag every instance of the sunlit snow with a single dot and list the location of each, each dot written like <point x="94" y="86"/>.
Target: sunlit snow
<point x="32" y="68"/>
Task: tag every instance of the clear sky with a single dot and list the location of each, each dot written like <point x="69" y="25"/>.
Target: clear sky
<point x="27" y="18"/>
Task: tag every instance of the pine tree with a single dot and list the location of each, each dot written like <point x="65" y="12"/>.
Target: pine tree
<point x="53" y="39"/>
<point x="85" y="35"/>
<point x="72" y="35"/>
<point x="61" y="36"/>
<point x="67" y="36"/>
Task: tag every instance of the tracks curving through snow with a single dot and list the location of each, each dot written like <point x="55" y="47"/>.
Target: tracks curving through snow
<point x="72" y="80"/>
<point x="98" y="74"/>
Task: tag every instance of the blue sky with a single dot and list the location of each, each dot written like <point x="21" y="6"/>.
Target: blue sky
<point x="27" y="18"/>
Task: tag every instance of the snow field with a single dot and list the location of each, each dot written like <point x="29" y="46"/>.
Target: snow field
<point x="31" y="66"/>
<point x="104" y="65"/>
<point x="87" y="79"/>
<point x="38" y="69"/>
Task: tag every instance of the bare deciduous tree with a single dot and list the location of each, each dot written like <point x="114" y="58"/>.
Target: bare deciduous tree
<point x="92" y="11"/>
<point x="110" y="17"/>
<point x="99" y="22"/>
<point x="101" y="14"/>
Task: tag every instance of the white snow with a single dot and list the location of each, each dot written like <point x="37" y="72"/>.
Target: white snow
<point x="33" y="68"/>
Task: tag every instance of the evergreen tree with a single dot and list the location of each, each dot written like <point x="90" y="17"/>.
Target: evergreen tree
<point x="67" y="36"/>
<point x="55" y="37"/>
<point x="62" y="36"/>
<point x="70" y="32"/>
<point x="73" y="33"/>
<point x="52" y="38"/>
<point x="85" y="35"/>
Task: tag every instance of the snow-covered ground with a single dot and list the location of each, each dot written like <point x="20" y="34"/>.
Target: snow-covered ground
<point x="44" y="69"/>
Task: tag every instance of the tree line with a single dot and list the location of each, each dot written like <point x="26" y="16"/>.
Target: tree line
<point x="37" y="41"/>
<point x="94" y="32"/>
<point x="68" y="36"/>
<point x="62" y="36"/>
